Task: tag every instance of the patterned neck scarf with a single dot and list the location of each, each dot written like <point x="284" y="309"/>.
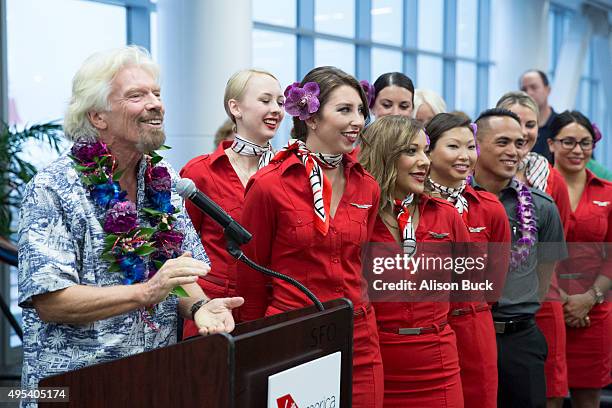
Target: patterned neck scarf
<point x="453" y="195"/>
<point x="245" y="148"/>
<point x="536" y="170"/>
<point x="320" y="185"/>
<point x="404" y="221"/>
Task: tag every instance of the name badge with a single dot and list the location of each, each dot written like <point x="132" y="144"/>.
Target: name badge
<point x="438" y="235"/>
<point x="364" y="206"/>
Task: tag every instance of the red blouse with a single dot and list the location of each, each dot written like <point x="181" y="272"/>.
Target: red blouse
<point x="487" y="222"/>
<point x="278" y="211"/>
<point x="439" y="222"/>
<point x="557" y="189"/>
<point x="214" y="175"/>
<point x="591" y="222"/>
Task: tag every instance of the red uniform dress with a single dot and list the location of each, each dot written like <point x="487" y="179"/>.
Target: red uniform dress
<point x="421" y="370"/>
<point x="589" y="350"/>
<point x="278" y="211"/>
<point x="214" y="175"/>
<point x="550" y="316"/>
<point x="472" y="322"/>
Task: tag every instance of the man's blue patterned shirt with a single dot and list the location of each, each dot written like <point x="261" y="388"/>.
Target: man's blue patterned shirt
<point x="60" y="244"/>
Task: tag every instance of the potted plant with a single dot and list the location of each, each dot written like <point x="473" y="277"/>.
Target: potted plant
<point x="15" y="171"/>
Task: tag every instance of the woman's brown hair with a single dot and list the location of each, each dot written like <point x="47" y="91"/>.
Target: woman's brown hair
<point x="328" y="78"/>
<point x="382" y="144"/>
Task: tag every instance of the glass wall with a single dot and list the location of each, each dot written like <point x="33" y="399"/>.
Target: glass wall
<point x="434" y="42"/>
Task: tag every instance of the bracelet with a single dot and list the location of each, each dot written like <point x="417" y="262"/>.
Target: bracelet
<point x="196" y="306"/>
<point x="598" y="295"/>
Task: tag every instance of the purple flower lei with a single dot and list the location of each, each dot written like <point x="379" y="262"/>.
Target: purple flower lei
<point x="525" y="213"/>
<point x="135" y="251"/>
<point x="302" y="102"/>
<point x="369" y="90"/>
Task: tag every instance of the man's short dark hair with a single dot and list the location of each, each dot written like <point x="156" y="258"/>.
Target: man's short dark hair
<point x="498" y="112"/>
<point x="483" y="119"/>
<point x="542" y="75"/>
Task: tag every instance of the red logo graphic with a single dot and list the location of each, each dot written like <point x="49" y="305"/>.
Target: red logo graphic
<point x="286" y="401"/>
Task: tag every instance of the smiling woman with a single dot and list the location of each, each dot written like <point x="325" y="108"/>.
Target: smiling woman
<point x="253" y="102"/>
<point x="310" y="212"/>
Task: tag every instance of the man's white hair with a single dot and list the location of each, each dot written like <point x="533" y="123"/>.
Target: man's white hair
<point x="91" y="86"/>
<point x="429" y="97"/>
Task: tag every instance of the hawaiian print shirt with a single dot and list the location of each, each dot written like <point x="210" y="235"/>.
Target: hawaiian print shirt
<point x="60" y="244"/>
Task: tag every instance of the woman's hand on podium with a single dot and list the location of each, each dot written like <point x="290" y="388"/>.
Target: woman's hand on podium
<point x="216" y="315"/>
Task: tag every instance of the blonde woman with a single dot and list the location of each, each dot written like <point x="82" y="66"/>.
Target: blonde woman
<point x="254" y="103"/>
<point x="427" y="104"/>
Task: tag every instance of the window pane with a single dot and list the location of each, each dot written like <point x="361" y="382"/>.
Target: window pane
<point x="431" y="23"/>
<point x="337" y="54"/>
<point x="387" y="21"/>
<point x="267" y="46"/>
<point x="385" y="61"/>
<point x="583" y="97"/>
<point x="467" y="23"/>
<point x="43" y="55"/>
<point x="275" y="12"/>
<point x="335" y="17"/>
<point x="465" y="88"/>
<point x="429" y="73"/>
<point x="154" y="36"/>
<point x="38" y="86"/>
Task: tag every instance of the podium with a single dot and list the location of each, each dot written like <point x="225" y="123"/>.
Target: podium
<point x="222" y="370"/>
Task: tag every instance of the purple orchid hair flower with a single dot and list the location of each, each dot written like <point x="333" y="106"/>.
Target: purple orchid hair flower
<point x="302" y="102"/>
<point x="474" y="128"/>
<point x="369" y="90"/>
<point x="597" y="132"/>
<point x="427" y="138"/>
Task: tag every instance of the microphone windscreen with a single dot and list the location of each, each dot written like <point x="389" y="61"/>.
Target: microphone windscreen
<point x="185" y="187"/>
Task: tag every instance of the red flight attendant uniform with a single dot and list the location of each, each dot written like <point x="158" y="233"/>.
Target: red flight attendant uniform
<point x="589" y="349"/>
<point x="214" y="175"/>
<point x="278" y="211"/>
<point x="472" y="322"/>
<point x="421" y="370"/>
<point x="550" y="318"/>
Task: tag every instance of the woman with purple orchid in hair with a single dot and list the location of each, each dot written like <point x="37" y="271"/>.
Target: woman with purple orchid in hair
<point x="254" y="103"/>
<point x="310" y="211"/>
<point x="586" y="276"/>
<point x="453" y="152"/>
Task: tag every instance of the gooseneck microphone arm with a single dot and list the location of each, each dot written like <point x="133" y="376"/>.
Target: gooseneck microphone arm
<point x="235" y="234"/>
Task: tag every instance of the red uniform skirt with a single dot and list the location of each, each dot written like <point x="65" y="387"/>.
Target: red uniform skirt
<point x="477" y="350"/>
<point x="421" y="370"/>
<point x="552" y="324"/>
<point x="368" y="381"/>
<point x="220" y="288"/>
<point x="589" y="350"/>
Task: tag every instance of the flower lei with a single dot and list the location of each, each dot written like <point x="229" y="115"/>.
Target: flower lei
<point x="136" y="251"/>
<point x="525" y="213"/>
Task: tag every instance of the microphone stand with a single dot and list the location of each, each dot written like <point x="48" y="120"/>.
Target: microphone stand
<point x="236" y="235"/>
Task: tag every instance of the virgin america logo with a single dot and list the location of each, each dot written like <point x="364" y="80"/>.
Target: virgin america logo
<point x="286" y="401"/>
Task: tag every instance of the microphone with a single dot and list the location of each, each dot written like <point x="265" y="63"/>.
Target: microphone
<point x="186" y="188"/>
<point x="235" y="234"/>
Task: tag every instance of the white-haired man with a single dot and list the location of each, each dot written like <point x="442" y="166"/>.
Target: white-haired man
<point x="104" y="240"/>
